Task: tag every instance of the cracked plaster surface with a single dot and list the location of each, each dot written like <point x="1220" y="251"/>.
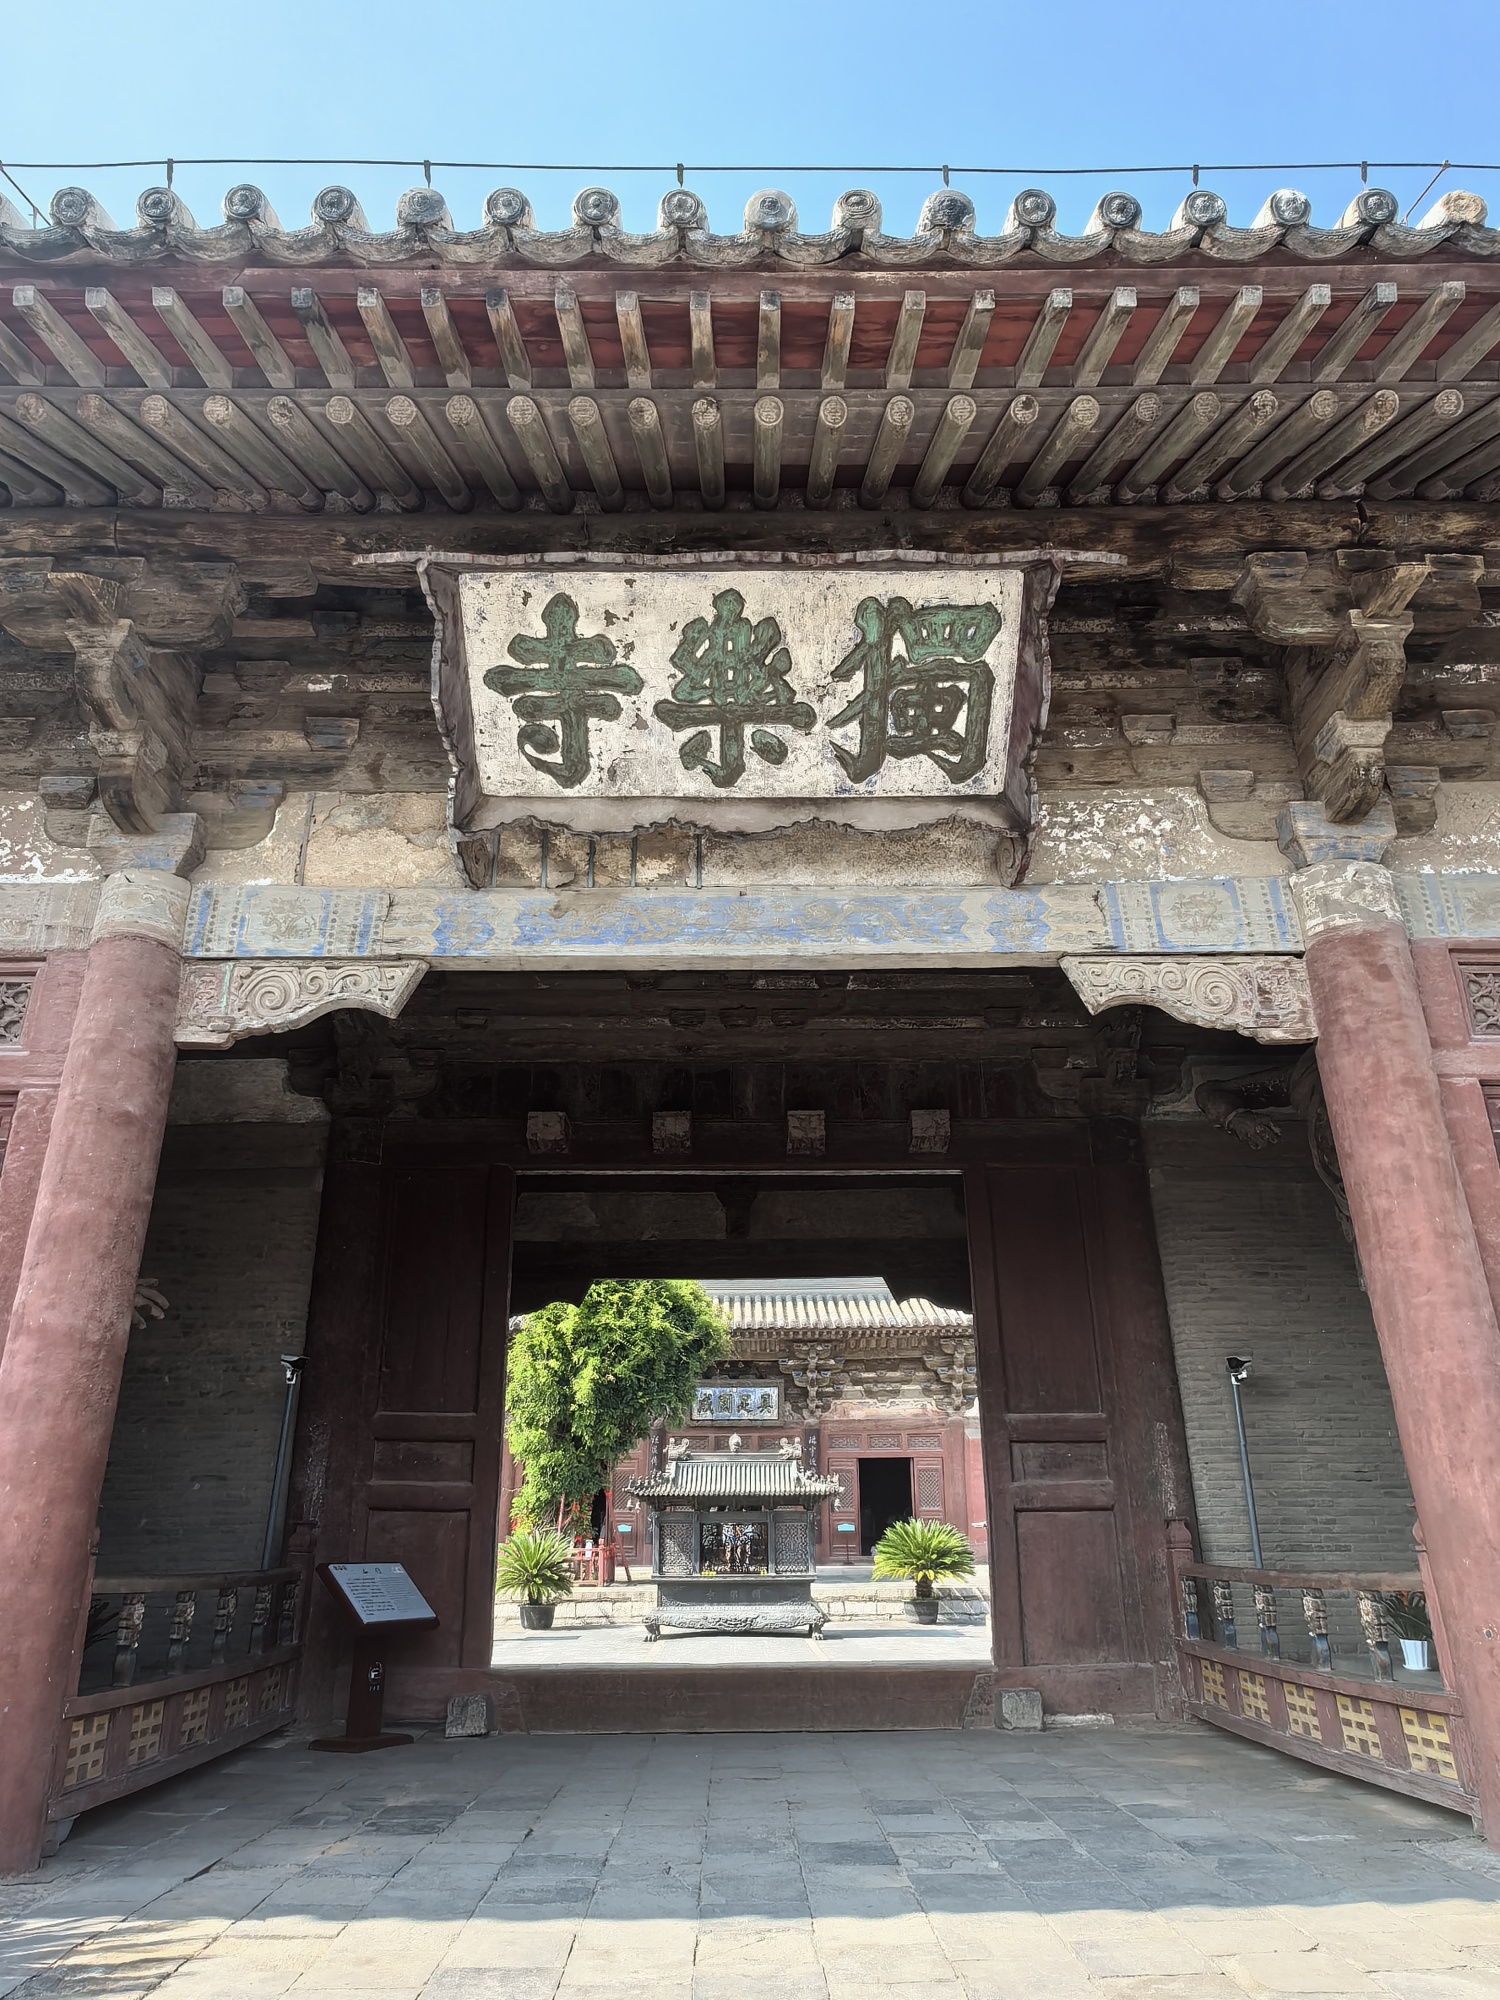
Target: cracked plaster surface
<point x="1162" y="834"/>
<point x="1466" y="839"/>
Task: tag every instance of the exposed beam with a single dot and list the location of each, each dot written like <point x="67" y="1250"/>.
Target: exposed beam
<point x="770" y="415"/>
<point x="1289" y="437"/>
<point x="905" y="340"/>
<point x="207" y="457"/>
<point x="633" y="341"/>
<point x="265" y="458"/>
<point x="1473" y="466"/>
<point x="1344" y="437"/>
<point x="140" y="352"/>
<point x="768" y="342"/>
<point x="27" y="487"/>
<point x="17" y="359"/>
<point x="953" y="426"/>
<point x="1115" y="447"/>
<point x="525" y="420"/>
<point x="72" y="353"/>
<point x="306" y="444"/>
<point x="1410" y="342"/>
<point x="896" y="420"/>
<point x="1072" y="427"/>
<point x="1196" y="417"/>
<point x="1209" y="363"/>
<point x="385" y="337"/>
<point x="370" y="455"/>
<point x="1334" y="356"/>
<point x="594" y="449"/>
<point x="651" y="449"/>
<point x="324" y="338"/>
<point x="1004" y="444"/>
<point x="1470" y="348"/>
<point x="267" y="352"/>
<point x="181" y="486"/>
<point x="835" y="368"/>
<point x="446" y="339"/>
<point x="468" y="425"/>
<point x="1476" y="429"/>
<point x="708" y="444"/>
<point x="514" y="359"/>
<point x="1165" y="337"/>
<point x="1282" y="346"/>
<point x="1043" y="337"/>
<point x="1104" y="337"/>
<point x="213" y="367"/>
<point x="62" y="434"/>
<point x="1414" y="431"/>
<point x="80" y="488"/>
<point x="1253" y="417"/>
<point x="823" y="462"/>
<point x="575" y="340"/>
<point x="963" y="362"/>
<point x="701" y="332"/>
<point x="409" y="421"/>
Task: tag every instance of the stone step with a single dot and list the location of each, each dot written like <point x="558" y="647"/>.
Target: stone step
<point x="858" y="1601"/>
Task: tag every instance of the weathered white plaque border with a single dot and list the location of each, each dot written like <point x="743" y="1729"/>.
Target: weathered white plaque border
<point x="653" y="759"/>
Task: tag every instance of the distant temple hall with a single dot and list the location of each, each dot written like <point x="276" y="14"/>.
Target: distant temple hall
<point x="947" y="784"/>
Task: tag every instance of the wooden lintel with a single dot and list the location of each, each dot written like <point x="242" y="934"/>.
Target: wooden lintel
<point x="213" y="368"/>
<point x="1115" y="448"/>
<point x="1104" y="337"/>
<point x="323" y="337"/>
<point x="514" y="359"/>
<point x="701" y="332"/>
<point x="530" y="430"/>
<point x="385" y="337"/>
<point x="370" y="455"/>
<point x="953" y="426"/>
<point x="963" y="362"/>
<point x="633" y="341"/>
<point x="904" y="342"/>
<point x="1072" y="427"/>
<point x="594" y="449"/>
<point x="71" y="353"/>
<point x="248" y="443"/>
<point x="823" y="461"/>
<point x="1209" y="363"/>
<point x="651" y="449"/>
<point x="1410" y="342"/>
<point x="270" y="357"/>
<point x="408" y="422"/>
<point x="836" y="346"/>
<point x="1334" y="356"/>
<point x="768" y="342"/>
<point x="306" y="446"/>
<point x="575" y="340"/>
<point x="140" y="352"/>
<point x="1163" y="340"/>
<point x="1019" y="414"/>
<point x="446" y="339"/>
<point x="896" y="420"/>
<point x="769" y="417"/>
<point x="466" y="420"/>
<point x="1281" y="347"/>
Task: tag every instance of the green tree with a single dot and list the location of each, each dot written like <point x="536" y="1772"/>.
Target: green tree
<point x="587" y="1382"/>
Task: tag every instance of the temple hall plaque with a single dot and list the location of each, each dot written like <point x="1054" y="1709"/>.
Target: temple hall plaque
<point x="737" y="696"/>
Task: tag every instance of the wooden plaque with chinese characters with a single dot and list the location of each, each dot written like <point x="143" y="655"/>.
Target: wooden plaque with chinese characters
<point x="741" y="696"/>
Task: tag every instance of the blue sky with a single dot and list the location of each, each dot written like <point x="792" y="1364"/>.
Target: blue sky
<point x="776" y="86"/>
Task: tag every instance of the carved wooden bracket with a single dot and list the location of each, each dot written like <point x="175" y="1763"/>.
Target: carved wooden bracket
<point x="1266" y="999"/>
<point x="221" y="1001"/>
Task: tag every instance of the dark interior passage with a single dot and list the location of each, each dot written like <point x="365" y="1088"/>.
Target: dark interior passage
<point x="884" y="1496"/>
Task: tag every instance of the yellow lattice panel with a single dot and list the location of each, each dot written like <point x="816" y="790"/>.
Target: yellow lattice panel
<point x="1357" y="1722"/>
<point x="1253" y="1701"/>
<point x="86" y="1740"/>
<point x="1213" y="1683"/>
<point x="195" y="1717"/>
<point x="237" y="1704"/>
<point x="145" y="1733"/>
<point x="1428" y="1744"/>
<point x="1302" y="1712"/>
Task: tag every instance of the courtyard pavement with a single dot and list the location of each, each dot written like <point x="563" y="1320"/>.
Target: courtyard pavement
<point x="1135" y="1863"/>
<point x="841" y="1645"/>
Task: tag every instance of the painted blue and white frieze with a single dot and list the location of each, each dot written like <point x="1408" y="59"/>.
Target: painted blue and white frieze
<point x="739" y="697"/>
<point x="1450" y="906"/>
<point x="1233" y="913"/>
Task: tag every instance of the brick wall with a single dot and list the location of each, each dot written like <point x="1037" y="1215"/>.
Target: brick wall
<point x="1255" y="1262"/>
<point x="231" y="1241"/>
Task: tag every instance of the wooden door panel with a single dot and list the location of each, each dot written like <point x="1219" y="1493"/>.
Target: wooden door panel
<point x="433" y="1548"/>
<point x="434" y="1309"/>
<point x="928" y="1489"/>
<point x="1072" y="1604"/>
<point x="1050" y="1348"/>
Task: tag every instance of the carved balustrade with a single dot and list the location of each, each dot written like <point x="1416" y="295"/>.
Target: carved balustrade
<point x="177" y="1670"/>
<point x="1333" y="1698"/>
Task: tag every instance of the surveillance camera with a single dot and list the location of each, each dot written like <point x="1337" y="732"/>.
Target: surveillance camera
<point x="1238" y="1366"/>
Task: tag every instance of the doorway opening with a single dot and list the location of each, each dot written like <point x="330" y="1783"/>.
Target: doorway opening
<point x="884" y="1497"/>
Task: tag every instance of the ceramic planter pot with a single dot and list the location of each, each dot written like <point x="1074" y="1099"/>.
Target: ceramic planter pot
<point x="537" y="1617"/>
<point x="926" y="1609"/>
<point x="1414" y="1654"/>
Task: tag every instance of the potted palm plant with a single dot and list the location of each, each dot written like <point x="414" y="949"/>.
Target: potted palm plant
<point x="535" y="1566"/>
<point x="923" y="1553"/>
<point x="1407" y="1616"/>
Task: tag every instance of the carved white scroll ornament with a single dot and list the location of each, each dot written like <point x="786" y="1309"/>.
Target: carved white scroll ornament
<point x="220" y="1002"/>
<point x="1264" y="998"/>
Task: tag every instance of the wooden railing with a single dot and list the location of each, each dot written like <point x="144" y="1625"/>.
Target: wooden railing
<point x="176" y="1670"/>
<point x="1347" y="1713"/>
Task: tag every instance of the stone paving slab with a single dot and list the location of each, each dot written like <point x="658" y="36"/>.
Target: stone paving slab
<point x="1123" y="1864"/>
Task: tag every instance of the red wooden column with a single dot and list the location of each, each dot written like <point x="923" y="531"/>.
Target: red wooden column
<point x="60" y="1373"/>
<point x="1426" y="1278"/>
